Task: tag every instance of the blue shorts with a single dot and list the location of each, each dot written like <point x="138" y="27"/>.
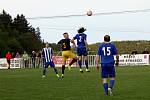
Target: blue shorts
<point x="82" y="51"/>
<point x="108" y="70"/>
<point x="51" y="64"/>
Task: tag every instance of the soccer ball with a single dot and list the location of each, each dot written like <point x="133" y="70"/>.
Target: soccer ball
<point x="89" y="13"/>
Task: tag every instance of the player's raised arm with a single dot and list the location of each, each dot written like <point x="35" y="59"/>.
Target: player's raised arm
<point x="59" y="45"/>
<point x="59" y="42"/>
<point x="74" y="44"/>
<point x="52" y="54"/>
<point x="74" y="38"/>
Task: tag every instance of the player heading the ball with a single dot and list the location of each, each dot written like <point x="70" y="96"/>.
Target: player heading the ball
<point x="82" y="48"/>
<point x="66" y="52"/>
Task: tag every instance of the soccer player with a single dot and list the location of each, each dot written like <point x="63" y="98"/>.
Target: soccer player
<point x="47" y="54"/>
<point x="66" y="52"/>
<point x="82" y="48"/>
<point x="106" y="53"/>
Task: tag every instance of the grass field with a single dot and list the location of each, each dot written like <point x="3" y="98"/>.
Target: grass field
<point x="133" y="83"/>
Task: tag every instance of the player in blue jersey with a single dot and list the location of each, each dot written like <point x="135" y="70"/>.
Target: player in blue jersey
<point x="106" y="53"/>
<point x="47" y="54"/>
<point x="82" y="48"/>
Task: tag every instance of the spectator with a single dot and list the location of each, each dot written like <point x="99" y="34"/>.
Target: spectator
<point x="8" y="58"/>
<point x="13" y="55"/>
<point x="134" y="52"/>
<point x="25" y="59"/>
<point x="39" y="58"/>
<point x="33" y="56"/>
<point x="17" y="55"/>
<point x="145" y="51"/>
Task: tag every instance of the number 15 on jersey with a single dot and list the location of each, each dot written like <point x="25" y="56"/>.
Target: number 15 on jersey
<point x="106" y="51"/>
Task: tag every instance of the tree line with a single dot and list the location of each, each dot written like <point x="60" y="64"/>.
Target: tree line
<point x="125" y="47"/>
<point x="17" y="35"/>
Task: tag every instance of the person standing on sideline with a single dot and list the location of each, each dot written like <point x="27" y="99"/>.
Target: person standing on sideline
<point x="8" y="58"/>
<point x="82" y="48"/>
<point x="25" y="58"/>
<point x="106" y="52"/>
<point x="39" y="58"/>
<point x="13" y="55"/>
<point x="47" y="54"/>
<point x="66" y="52"/>
<point x="17" y="55"/>
<point x="33" y="57"/>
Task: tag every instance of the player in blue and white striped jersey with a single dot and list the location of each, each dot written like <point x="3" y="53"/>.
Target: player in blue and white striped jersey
<point x="47" y="54"/>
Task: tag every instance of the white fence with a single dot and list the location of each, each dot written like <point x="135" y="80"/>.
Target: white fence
<point x="15" y="63"/>
<point x="124" y="60"/>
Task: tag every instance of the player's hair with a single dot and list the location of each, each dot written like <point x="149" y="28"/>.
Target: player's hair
<point x="65" y="33"/>
<point x="81" y="30"/>
<point x="46" y="43"/>
<point x="107" y="38"/>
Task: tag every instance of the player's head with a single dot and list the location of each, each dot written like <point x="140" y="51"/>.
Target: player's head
<point x="25" y="52"/>
<point x="81" y="30"/>
<point x="106" y="38"/>
<point x="33" y="52"/>
<point x="66" y="36"/>
<point x="46" y="44"/>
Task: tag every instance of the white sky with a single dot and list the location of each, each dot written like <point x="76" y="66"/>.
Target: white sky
<point x="120" y="27"/>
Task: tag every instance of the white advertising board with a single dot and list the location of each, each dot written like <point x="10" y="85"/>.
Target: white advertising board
<point x="131" y="60"/>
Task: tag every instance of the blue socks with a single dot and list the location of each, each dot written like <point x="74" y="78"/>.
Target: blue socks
<point x="112" y="82"/>
<point x="105" y="85"/>
<point x="111" y="85"/>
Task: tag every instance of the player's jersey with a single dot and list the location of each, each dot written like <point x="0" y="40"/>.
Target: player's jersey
<point x="81" y="37"/>
<point x="47" y="54"/>
<point x="65" y="44"/>
<point x="107" y="52"/>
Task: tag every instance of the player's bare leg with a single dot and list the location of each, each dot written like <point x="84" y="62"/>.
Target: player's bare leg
<point x="72" y="62"/>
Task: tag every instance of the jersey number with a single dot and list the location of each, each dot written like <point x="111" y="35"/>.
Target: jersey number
<point x="106" y="51"/>
<point x="64" y="46"/>
<point x="80" y="38"/>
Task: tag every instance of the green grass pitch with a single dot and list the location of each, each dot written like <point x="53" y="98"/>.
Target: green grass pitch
<point x="133" y="83"/>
